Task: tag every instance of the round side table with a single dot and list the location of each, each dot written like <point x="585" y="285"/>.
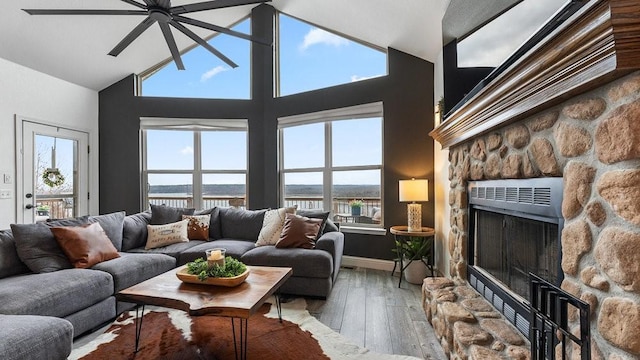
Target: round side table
<point x="402" y="233"/>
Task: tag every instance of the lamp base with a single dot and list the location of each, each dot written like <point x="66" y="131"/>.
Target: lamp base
<point x="414" y="217"/>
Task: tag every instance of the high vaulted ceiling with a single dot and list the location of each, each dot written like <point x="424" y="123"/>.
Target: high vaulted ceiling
<point x="75" y="48"/>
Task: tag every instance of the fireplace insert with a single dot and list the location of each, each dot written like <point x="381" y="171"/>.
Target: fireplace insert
<point x="514" y="229"/>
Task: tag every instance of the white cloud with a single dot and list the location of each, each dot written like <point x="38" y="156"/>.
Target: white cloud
<point x="213" y="72"/>
<point x="188" y="150"/>
<point x="318" y="36"/>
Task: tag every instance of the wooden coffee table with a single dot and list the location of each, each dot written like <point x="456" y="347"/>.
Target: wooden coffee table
<point x="238" y="303"/>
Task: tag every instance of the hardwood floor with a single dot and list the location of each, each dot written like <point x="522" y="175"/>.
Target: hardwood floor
<point x="367" y="307"/>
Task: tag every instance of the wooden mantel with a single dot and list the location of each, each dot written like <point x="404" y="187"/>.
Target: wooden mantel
<point x="599" y="43"/>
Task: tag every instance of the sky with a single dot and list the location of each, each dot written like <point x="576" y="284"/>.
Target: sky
<point x="310" y="58"/>
<point x="493" y="43"/>
<point x="44" y="146"/>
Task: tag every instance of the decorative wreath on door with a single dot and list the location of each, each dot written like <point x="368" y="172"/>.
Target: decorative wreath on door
<point x="52" y="177"/>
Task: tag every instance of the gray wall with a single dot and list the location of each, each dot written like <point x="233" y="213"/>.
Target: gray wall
<point x="407" y="94"/>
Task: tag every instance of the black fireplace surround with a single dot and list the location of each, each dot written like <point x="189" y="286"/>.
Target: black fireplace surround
<point x="514" y="229"/>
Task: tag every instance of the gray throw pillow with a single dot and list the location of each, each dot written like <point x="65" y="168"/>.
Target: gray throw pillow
<point x="161" y="214"/>
<point x="112" y="225"/>
<point x="134" y="230"/>
<point x="38" y="248"/>
<point x="241" y="224"/>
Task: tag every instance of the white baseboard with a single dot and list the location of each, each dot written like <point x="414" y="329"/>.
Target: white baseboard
<point x="377" y="264"/>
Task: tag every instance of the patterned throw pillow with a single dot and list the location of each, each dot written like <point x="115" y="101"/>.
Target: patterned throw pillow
<point x="198" y="228"/>
<point x="163" y="235"/>
<point x="272" y="225"/>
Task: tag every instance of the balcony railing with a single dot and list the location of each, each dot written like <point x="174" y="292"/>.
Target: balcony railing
<point x="340" y="205"/>
<point x="57" y="206"/>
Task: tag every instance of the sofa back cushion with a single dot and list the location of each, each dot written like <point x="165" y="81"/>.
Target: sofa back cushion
<point x="161" y="214"/>
<point x="10" y="263"/>
<point x="134" y="230"/>
<point x="241" y="224"/>
<point x="37" y="247"/>
<point x="112" y="225"/>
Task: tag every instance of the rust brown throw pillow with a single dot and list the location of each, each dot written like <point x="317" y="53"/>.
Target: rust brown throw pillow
<point x="198" y="228"/>
<point x="85" y="245"/>
<point x="299" y="232"/>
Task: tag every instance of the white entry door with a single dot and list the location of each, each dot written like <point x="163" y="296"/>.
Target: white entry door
<point x="55" y="172"/>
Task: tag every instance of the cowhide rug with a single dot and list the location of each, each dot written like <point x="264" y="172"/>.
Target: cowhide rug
<point x="172" y="334"/>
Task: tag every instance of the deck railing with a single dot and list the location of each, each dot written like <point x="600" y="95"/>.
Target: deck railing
<point x="57" y="206"/>
<point x="340" y="204"/>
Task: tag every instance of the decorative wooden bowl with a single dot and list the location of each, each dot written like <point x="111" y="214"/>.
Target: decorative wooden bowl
<point x="183" y="275"/>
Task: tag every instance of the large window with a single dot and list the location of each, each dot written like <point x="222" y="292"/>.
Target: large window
<point x="490" y="45"/>
<point x="205" y="75"/>
<point x="312" y="58"/>
<point x="194" y="163"/>
<point x="332" y="160"/>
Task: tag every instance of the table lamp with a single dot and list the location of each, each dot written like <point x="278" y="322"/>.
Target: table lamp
<point x="411" y="191"/>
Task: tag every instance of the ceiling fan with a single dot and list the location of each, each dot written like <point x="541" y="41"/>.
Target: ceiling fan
<point x="164" y="14"/>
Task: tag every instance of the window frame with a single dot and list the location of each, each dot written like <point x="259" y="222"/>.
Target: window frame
<point x="197" y="126"/>
<point x="327" y="117"/>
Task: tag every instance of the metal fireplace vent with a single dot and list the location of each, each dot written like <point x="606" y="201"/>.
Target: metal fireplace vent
<point x="541" y="196"/>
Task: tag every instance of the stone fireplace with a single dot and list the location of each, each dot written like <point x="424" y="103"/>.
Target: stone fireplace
<point x="569" y="109"/>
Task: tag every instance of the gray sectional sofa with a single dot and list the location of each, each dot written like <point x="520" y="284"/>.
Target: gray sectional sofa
<point x="41" y="313"/>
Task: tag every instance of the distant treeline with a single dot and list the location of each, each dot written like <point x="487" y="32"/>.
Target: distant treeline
<point x="354" y="191"/>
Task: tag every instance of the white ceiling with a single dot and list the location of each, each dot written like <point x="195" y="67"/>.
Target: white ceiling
<point x="74" y="48"/>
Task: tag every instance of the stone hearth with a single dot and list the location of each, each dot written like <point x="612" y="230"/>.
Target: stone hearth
<point x="570" y="109"/>
<point x="593" y="142"/>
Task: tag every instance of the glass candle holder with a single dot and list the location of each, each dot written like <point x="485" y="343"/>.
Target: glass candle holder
<point x="215" y="257"/>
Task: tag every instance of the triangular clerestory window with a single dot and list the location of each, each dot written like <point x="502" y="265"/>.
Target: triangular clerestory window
<point x="206" y="76"/>
<point x="312" y="58"/>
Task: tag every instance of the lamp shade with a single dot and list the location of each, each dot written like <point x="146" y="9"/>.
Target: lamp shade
<point x="414" y="190"/>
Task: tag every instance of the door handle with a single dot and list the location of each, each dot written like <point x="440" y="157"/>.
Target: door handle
<point x="28" y="196"/>
<point x="29" y="206"/>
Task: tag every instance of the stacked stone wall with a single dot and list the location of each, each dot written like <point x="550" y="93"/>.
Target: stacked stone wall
<point x="593" y="142"/>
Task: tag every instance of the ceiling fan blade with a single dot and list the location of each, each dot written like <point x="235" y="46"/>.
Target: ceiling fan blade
<point x="219" y="29"/>
<point x="203" y="43"/>
<point x="144" y="25"/>
<point x="209" y="5"/>
<point x="135" y="3"/>
<point x="171" y="42"/>
<point x="83" y="12"/>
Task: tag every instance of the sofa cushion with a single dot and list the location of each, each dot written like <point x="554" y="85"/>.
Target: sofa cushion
<point x="37" y="247"/>
<point x="130" y="269"/>
<point x="173" y="250"/>
<point x="235" y="249"/>
<point x="10" y="263"/>
<point x="241" y="224"/>
<point x="161" y="214"/>
<point x="134" y="230"/>
<point x="299" y="232"/>
<point x="198" y="226"/>
<point x="85" y="245"/>
<point x="167" y="234"/>
<point x="57" y="293"/>
<point x="272" y="225"/>
<point x="112" y="225"/>
<point x="305" y="262"/>
<point x="35" y="337"/>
